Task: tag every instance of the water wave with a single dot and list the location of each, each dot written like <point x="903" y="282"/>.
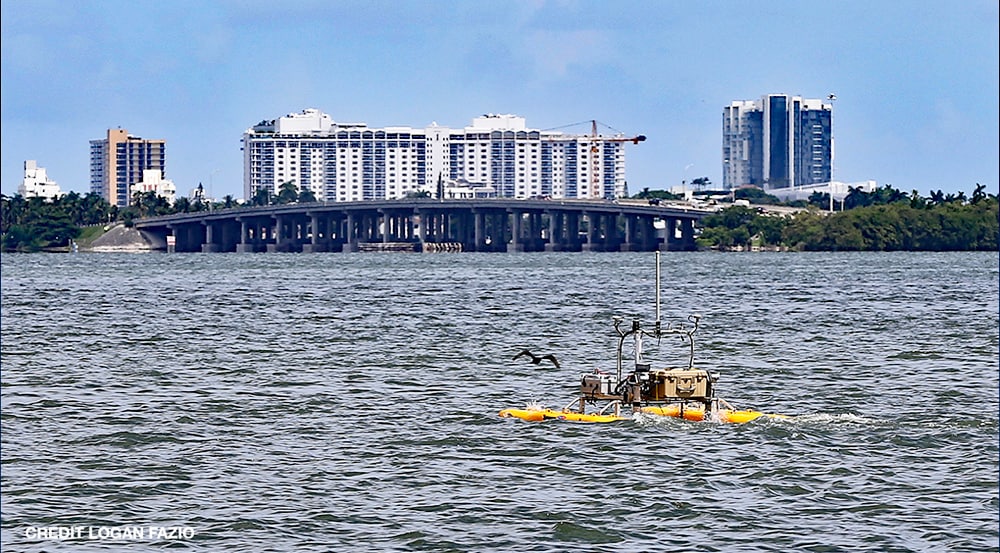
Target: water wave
<point x="287" y="402"/>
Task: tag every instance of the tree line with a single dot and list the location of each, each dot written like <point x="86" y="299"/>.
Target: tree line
<point x="34" y="224"/>
<point x="884" y="219"/>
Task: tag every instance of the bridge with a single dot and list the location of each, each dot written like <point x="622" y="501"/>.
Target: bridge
<point x="480" y="225"/>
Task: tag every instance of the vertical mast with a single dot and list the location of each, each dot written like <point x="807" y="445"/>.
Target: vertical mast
<point x="657" y="293"/>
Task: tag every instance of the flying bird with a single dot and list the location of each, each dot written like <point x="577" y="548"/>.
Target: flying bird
<point x="536" y="359"/>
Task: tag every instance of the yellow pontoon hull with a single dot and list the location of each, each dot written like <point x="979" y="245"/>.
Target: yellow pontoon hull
<point x="537" y="415"/>
<point x="697" y="414"/>
<point x="687" y="413"/>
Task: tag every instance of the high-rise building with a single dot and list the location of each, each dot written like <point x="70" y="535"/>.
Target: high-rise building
<point x="36" y="183"/>
<point x="496" y="156"/>
<point x="117" y="163"/>
<point x="777" y="142"/>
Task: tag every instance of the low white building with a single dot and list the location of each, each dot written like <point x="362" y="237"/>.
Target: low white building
<point x="463" y="190"/>
<point x="36" y="183"/>
<point x="153" y="181"/>
<point x="838" y="190"/>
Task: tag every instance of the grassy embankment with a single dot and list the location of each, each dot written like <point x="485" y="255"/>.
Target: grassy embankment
<point x="88" y="234"/>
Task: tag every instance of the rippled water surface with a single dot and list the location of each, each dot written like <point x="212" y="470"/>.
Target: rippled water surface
<point x="330" y="402"/>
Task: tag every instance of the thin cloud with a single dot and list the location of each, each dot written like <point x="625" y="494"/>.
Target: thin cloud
<point x="554" y="54"/>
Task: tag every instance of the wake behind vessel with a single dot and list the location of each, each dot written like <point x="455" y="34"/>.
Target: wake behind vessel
<point x="684" y="392"/>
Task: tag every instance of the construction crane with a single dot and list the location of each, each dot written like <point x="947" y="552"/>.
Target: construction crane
<point x="595" y="140"/>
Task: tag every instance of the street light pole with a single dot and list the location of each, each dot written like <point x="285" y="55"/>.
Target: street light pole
<point x="211" y="198"/>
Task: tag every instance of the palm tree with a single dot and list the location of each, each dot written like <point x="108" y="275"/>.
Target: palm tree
<point x="14" y="209"/>
<point x="893" y="195"/>
<point x="917" y="201"/>
<point x="182" y="205"/>
<point x="307" y="196"/>
<point x="856" y="197"/>
<point x="979" y="194"/>
<point x="702" y="183"/>
<point x="96" y="210"/>
<point x="72" y="203"/>
<point x="288" y="193"/>
<point x="262" y="197"/>
<point x="819" y="199"/>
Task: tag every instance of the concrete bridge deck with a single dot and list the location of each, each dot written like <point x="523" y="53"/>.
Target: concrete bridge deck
<point x="430" y="225"/>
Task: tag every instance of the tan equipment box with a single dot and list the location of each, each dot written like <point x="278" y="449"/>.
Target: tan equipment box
<point x="680" y="383"/>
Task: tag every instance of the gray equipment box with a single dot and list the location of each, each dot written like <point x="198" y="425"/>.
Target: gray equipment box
<point x="597" y="385"/>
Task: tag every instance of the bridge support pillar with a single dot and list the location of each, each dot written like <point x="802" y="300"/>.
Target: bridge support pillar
<point x="629" y="235"/>
<point x="687" y="235"/>
<point x="611" y="240"/>
<point x="536" y="238"/>
<point x="350" y="236"/>
<point x="319" y="234"/>
<point x="647" y="234"/>
<point x="573" y="232"/>
<point x="241" y="246"/>
<point x="500" y="235"/>
<point x="479" y="235"/>
<point x="387" y="222"/>
<point x="279" y="235"/>
<point x="633" y="239"/>
<point x="593" y="232"/>
<point x="210" y="245"/>
<point x="555" y="238"/>
<point x="670" y="242"/>
<point x="516" y="243"/>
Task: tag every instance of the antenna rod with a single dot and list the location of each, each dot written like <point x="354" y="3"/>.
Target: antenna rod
<point x="657" y="292"/>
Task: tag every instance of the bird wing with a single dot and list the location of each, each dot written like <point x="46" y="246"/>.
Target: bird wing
<point x="524" y="352"/>
<point x="552" y="358"/>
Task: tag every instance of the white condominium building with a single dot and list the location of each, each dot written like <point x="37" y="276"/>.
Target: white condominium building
<point x="495" y="156"/>
<point x="36" y="183"/>
<point x="153" y="181"/>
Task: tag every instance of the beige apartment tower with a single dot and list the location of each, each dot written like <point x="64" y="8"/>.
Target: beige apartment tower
<point x="117" y="163"/>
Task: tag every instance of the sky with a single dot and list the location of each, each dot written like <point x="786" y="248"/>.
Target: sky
<point x="916" y="81"/>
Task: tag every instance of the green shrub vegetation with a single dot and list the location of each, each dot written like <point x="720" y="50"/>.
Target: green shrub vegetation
<point x="32" y="224"/>
<point x="883" y="220"/>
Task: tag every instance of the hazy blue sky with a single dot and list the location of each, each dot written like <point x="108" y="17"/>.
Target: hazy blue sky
<point x="917" y="82"/>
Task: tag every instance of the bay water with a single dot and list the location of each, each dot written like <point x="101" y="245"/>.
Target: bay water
<point x="348" y="402"/>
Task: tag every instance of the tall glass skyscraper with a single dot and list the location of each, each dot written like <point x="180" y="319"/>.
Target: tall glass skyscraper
<point x="777" y="142"/>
